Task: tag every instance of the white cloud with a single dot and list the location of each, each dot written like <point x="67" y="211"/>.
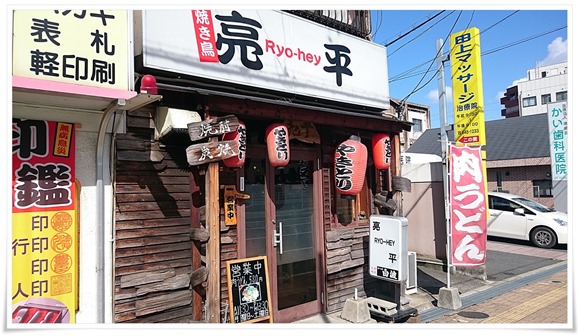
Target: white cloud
<point x="523" y="79"/>
<point x="499" y="95"/>
<point x="433" y="95"/>
<point x="557" y="52"/>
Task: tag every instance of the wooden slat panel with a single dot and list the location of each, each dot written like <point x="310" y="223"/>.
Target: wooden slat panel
<point x="152" y="266"/>
<point x="144" y="112"/>
<point x="148" y="223"/>
<point x="153" y="188"/>
<point x="136" y="144"/>
<point x="152" y="214"/>
<point x="128" y="198"/>
<point x="153" y="232"/>
<point x="170" y="316"/>
<point x="133" y="134"/>
<point x="138" y="122"/>
<point x="148" y="180"/>
<point x="145" y="278"/>
<point x="132" y="166"/>
<point x="122" y="253"/>
<point x="154" y="172"/>
<point x="146" y="206"/>
<point x="154" y="156"/>
<point x="163" y="302"/>
<point x="151" y="258"/>
<point x="134" y="242"/>
<point x="177" y="282"/>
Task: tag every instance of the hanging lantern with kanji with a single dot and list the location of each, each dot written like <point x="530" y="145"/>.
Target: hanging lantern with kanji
<point x="239" y="135"/>
<point x="350" y="162"/>
<point x="278" y="144"/>
<point x="381" y="144"/>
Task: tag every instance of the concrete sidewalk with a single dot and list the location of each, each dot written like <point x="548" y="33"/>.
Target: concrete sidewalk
<point x="515" y="272"/>
<point x="540" y="302"/>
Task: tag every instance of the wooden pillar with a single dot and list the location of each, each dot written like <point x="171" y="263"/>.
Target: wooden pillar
<point x="213" y="245"/>
<point x="212" y="224"/>
<point x="197" y="296"/>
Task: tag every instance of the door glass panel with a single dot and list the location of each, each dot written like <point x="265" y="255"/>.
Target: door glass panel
<point x="255" y="207"/>
<point x="296" y="259"/>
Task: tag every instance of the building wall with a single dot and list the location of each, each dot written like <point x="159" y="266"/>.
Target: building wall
<point x="347" y="266"/>
<point x="519" y="181"/>
<point x="555" y="80"/>
<point x="424" y="208"/>
<point x="153" y="247"/>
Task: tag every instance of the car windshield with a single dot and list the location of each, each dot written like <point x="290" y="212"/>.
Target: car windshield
<point x="534" y="205"/>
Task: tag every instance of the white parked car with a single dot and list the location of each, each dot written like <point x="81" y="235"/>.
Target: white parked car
<point x="515" y="217"/>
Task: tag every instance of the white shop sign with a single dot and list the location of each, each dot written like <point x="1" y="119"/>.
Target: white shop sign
<point x="388" y="248"/>
<point x="267" y="49"/>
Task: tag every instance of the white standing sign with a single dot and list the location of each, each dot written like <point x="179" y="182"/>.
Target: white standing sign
<point x="388" y="248"/>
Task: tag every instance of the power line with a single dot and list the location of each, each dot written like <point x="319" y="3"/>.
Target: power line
<point x="404" y="74"/>
<point x="521" y="41"/>
<point x="485" y="53"/>
<point x="380" y="13"/>
<point x="417" y="88"/>
<point x="426" y="30"/>
<point x="406" y="28"/>
<point x="500" y="21"/>
<point x="412" y="30"/>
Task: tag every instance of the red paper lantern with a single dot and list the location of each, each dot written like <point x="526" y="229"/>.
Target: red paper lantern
<point x="350" y="162"/>
<point x="240" y="136"/>
<point x="381" y="151"/>
<point x="278" y="143"/>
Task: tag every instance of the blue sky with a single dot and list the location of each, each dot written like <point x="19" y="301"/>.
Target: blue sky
<point x="512" y="41"/>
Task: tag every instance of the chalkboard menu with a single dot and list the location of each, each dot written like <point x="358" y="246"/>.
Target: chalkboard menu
<point x="248" y="290"/>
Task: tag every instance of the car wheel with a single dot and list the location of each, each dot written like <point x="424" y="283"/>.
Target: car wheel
<point x="543" y="237"/>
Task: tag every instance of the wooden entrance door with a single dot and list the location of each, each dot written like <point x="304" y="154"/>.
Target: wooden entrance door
<point x="283" y="222"/>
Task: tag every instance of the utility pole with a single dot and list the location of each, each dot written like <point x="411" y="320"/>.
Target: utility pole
<point x="448" y="297"/>
<point x="443" y="125"/>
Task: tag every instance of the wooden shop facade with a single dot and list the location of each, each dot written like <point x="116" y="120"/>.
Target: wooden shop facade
<point x="190" y="198"/>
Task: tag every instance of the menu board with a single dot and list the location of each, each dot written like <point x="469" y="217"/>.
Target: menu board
<point x="249" y="295"/>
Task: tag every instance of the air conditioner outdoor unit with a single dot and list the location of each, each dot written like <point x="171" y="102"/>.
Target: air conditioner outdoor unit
<point x="412" y="274"/>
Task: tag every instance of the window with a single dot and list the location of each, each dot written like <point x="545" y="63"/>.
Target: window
<point x="530" y="101"/>
<point x="417" y="125"/>
<point x="544" y="74"/>
<point x="355" y="211"/>
<point x="542" y="188"/>
<point x="502" y="204"/>
<point x="547" y="98"/>
<point x="561" y="96"/>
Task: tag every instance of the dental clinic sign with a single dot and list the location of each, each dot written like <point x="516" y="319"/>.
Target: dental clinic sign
<point x="267" y="49"/>
<point x="468" y="206"/>
<point x="558" y="128"/>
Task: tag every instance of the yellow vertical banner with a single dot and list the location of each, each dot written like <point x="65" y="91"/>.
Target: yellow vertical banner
<point x="466" y="79"/>
<point x="467" y="83"/>
<point x="44" y="222"/>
